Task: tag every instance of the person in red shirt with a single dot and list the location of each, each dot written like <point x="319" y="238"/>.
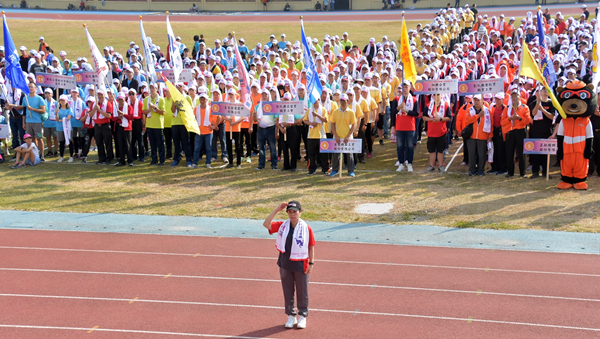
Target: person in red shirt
<point x="404" y="109"/>
<point x="102" y="133"/>
<point x="296" y="246"/>
<point x="123" y="128"/>
<point x="438" y="114"/>
<point x="499" y="164"/>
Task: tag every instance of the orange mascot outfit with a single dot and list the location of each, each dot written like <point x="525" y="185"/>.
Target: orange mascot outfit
<point x="575" y="133"/>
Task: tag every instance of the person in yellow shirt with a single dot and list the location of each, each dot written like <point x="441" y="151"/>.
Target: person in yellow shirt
<point x="469" y="19"/>
<point x="168" y="131"/>
<point x="398" y="77"/>
<point x="386" y="92"/>
<point x="370" y="118"/>
<point x="154" y="109"/>
<point x="343" y="126"/>
<point x="362" y="112"/>
<point x="316" y="119"/>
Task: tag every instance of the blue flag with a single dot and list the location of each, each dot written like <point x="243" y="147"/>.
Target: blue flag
<point x="546" y="66"/>
<point x="14" y="73"/>
<point x="313" y="85"/>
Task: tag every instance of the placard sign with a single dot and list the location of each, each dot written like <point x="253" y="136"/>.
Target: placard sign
<point x="185" y="76"/>
<point x="283" y="108"/>
<point x="55" y="80"/>
<point x="439" y="86"/>
<point x="86" y="78"/>
<point x="229" y="109"/>
<point x="484" y="86"/>
<point x="540" y="146"/>
<point x="330" y="146"/>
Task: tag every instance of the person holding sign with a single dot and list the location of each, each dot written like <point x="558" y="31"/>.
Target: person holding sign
<point x="291" y="138"/>
<point x="514" y="120"/>
<point x="154" y="110"/>
<point x="232" y="133"/>
<point x="102" y="134"/>
<point x="123" y="127"/>
<point x="138" y="124"/>
<point x="63" y="112"/>
<point x="499" y="164"/>
<point x="50" y="123"/>
<point x="343" y="124"/>
<point x="296" y="246"/>
<point x="542" y="114"/>
<point x="207" y="123"/>
<point x="316" y="118"/>
<point x="438" y="114"/>
<point x="266" y="133"/>
<point x="481" y="118"/>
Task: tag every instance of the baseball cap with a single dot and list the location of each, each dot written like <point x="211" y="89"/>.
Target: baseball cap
<point x="294" y="206"/>
<point x="27" y="135"/>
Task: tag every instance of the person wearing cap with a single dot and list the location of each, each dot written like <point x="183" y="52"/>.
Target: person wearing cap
<point x="123" y="117"/>
<point x="43" y="44"/>
<point x="153" y="108"/>
<point x="88" y="126"/>
<point x="24" y="58"/>
<point x="404" y="110"/>
<point x="63" y="113"/>
<point x="266" y="132"/>
<point x="460" y="125"/>
<point x="207" y="123"/>
<point x="102" y="115"/>
<point x="168" y="117"/>
<point x="296" y="245"/>
<point x="437" y="117"/>
<point x="32" y="119"/>
<point x="481" y="119"/>
<point x="496" y="109"/>
<point x="37" y="66"/>
<point x="514" y="120"/>
<point x="343" y="125"/>
<point x="316" y="119"/>
<point x="138" y="125"/>
<point x="289" y="132"/>
<point x="232" y="133"/>
<point x="15" y="103"/>
<point x="27" y="154"/>
<point x="129" y="81"/>
<point x="49" y="125"/>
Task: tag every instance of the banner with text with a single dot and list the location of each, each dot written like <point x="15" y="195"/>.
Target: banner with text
<point x="55" y="80"/>
<point x="283" y="108"/>
<point x="540" y="146"/>
<point x="439" y="86"/>
<point x="86" y="78"/>
<point x="229" y="109"/>
<point x="185" y="76"/>
<point x="4" y="131"/>
<point x="484" y="86"/>
<point x="330" y="146"/>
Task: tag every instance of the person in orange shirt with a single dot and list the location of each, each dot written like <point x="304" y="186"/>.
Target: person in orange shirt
<point x="255" y="94"/>
<point x="207" y="122"/>
<point x="509" y="29"/>
<point x="515" y="118"/>
<point x="481" y="118"/>
<point x="232" y="132"/>
<point x="460" y="125"/>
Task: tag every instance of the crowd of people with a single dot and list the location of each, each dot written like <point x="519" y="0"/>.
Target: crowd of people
<point x="364" y="97"/>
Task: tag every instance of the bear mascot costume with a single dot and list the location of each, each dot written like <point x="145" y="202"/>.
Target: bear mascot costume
<point x="575" y="133"/>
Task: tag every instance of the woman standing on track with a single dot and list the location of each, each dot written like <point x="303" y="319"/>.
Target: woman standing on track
<point x="296" y="246"/>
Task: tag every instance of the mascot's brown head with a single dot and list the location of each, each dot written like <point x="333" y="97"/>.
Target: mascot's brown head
<point x="577" y="99"/>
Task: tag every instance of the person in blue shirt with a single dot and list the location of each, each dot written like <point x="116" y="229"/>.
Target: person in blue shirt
<point x="77" y="106"/>
<point x="50" y="123"/>
<point x="242" y="47"/>
<point x="229" y="61"/>
<point x="32" y="120"/>
<point x="64" y="114"/>
<point x="282" y="43"/>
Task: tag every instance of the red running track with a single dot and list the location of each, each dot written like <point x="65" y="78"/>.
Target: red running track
<point x="66" y="284"/>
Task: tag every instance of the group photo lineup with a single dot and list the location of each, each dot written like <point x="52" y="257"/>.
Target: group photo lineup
<point x="151" y="159"/>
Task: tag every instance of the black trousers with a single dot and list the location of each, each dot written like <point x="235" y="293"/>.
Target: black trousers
<point x="137" y="142"/>
<point x="465" y="151"/>
<point x="192" y="139"/>
<point x="369" y="139"/>
<point x="477" y="152"/>
<point x="499" y="163"/>
<point x="302" y="133"/>
<point x="595" y="160"/>
<point x="168" y="134"/>
<point x="113" y="128"/>
<point x="514" y="143"/>
<point x="124" y="142"/>
<point x="254" y="139"/>
<point x="103" y="136"/>
<point x="87" y="141"/>
<point x="245" y="139"/>
<point x="291" y="147"/>
<point x="229" y="136"/>
<point x="314" y="156"/>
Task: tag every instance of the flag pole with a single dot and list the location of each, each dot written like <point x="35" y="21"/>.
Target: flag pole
<point x="6" y="96"/>
<point x="402" y="63"/>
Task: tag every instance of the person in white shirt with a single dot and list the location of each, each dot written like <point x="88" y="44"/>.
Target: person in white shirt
<point x="27" y="154"/>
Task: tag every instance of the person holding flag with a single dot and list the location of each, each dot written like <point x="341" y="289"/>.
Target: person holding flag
<point x="546" y="65"/>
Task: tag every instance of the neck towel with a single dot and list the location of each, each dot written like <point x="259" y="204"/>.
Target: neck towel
<point x="299" y="249"/>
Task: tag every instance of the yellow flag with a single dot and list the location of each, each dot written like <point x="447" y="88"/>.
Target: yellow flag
<point x="183" y="108"/>
<point x="410" y="71"/>
<point x="530" y="69"/>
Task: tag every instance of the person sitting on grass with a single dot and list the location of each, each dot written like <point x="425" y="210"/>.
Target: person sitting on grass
<point x="27" y="154"/>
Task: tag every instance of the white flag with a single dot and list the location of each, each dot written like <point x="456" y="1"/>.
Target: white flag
<point x="100" y="66"/>
<point x="596" y="57"/>
<point x="176" y="62"/>
<point x="147" y="55"/>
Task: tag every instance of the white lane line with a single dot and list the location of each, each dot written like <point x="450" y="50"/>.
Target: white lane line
<point x="478" y="292"/>
<point x="124" y="331"/>
<point x="355" y="312"/>
<point x="320" y="260"/>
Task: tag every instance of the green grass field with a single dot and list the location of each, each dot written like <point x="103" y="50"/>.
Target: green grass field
<point x="454" y="199"/>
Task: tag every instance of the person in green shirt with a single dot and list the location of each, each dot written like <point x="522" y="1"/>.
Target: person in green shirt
<point x="167" y="131"/>
<point x="154" y="109"/>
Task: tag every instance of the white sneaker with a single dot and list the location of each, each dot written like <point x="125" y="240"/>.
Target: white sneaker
<point x="292" y="321"/>
<point x="301" y="322"/>
<point x="446" y="152"/>
<point x="400" y="168"/>
<point x="70" y="159"/>
<point x="409" y="166"/>
<point x="463" y="163"/>
<point x="248" y="160"/>
<point x="60" y="159"/>
<point x="397" y="163"/>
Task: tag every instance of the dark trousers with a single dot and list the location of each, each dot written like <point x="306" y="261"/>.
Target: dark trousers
<point x="264" y="136"/>
<point x="595" y="160"/>
<point x="103" y="136"/>
<point x="219" y="137"/>
<point x="245" y="140"/>
<point x="168" y="134"/>
<point x="234" y="137"/>
<point x="368" y="145"/>
<point x="16" y="127"/>
<point x="499" y="163"/>
<point x="477" y="152"/>
<point x="514" y="143"/>
<point x="291" y="147"/>
<point x="137" y="142"/>
<point x="180" y="139"/>
<point x="113" y="128"/>
<point x="87" y="141"/>
<point x="465" y="151"/>
<point x="315" y="156"/>
<point x="157" y="144"/>
<point x="254" y="138"/>
<point x="294" y="283"/>
<point x="302" y="135"/>
<point x="335" y="162"/>
<point x="192" y="139"/>
<point x="124" y="138"/>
